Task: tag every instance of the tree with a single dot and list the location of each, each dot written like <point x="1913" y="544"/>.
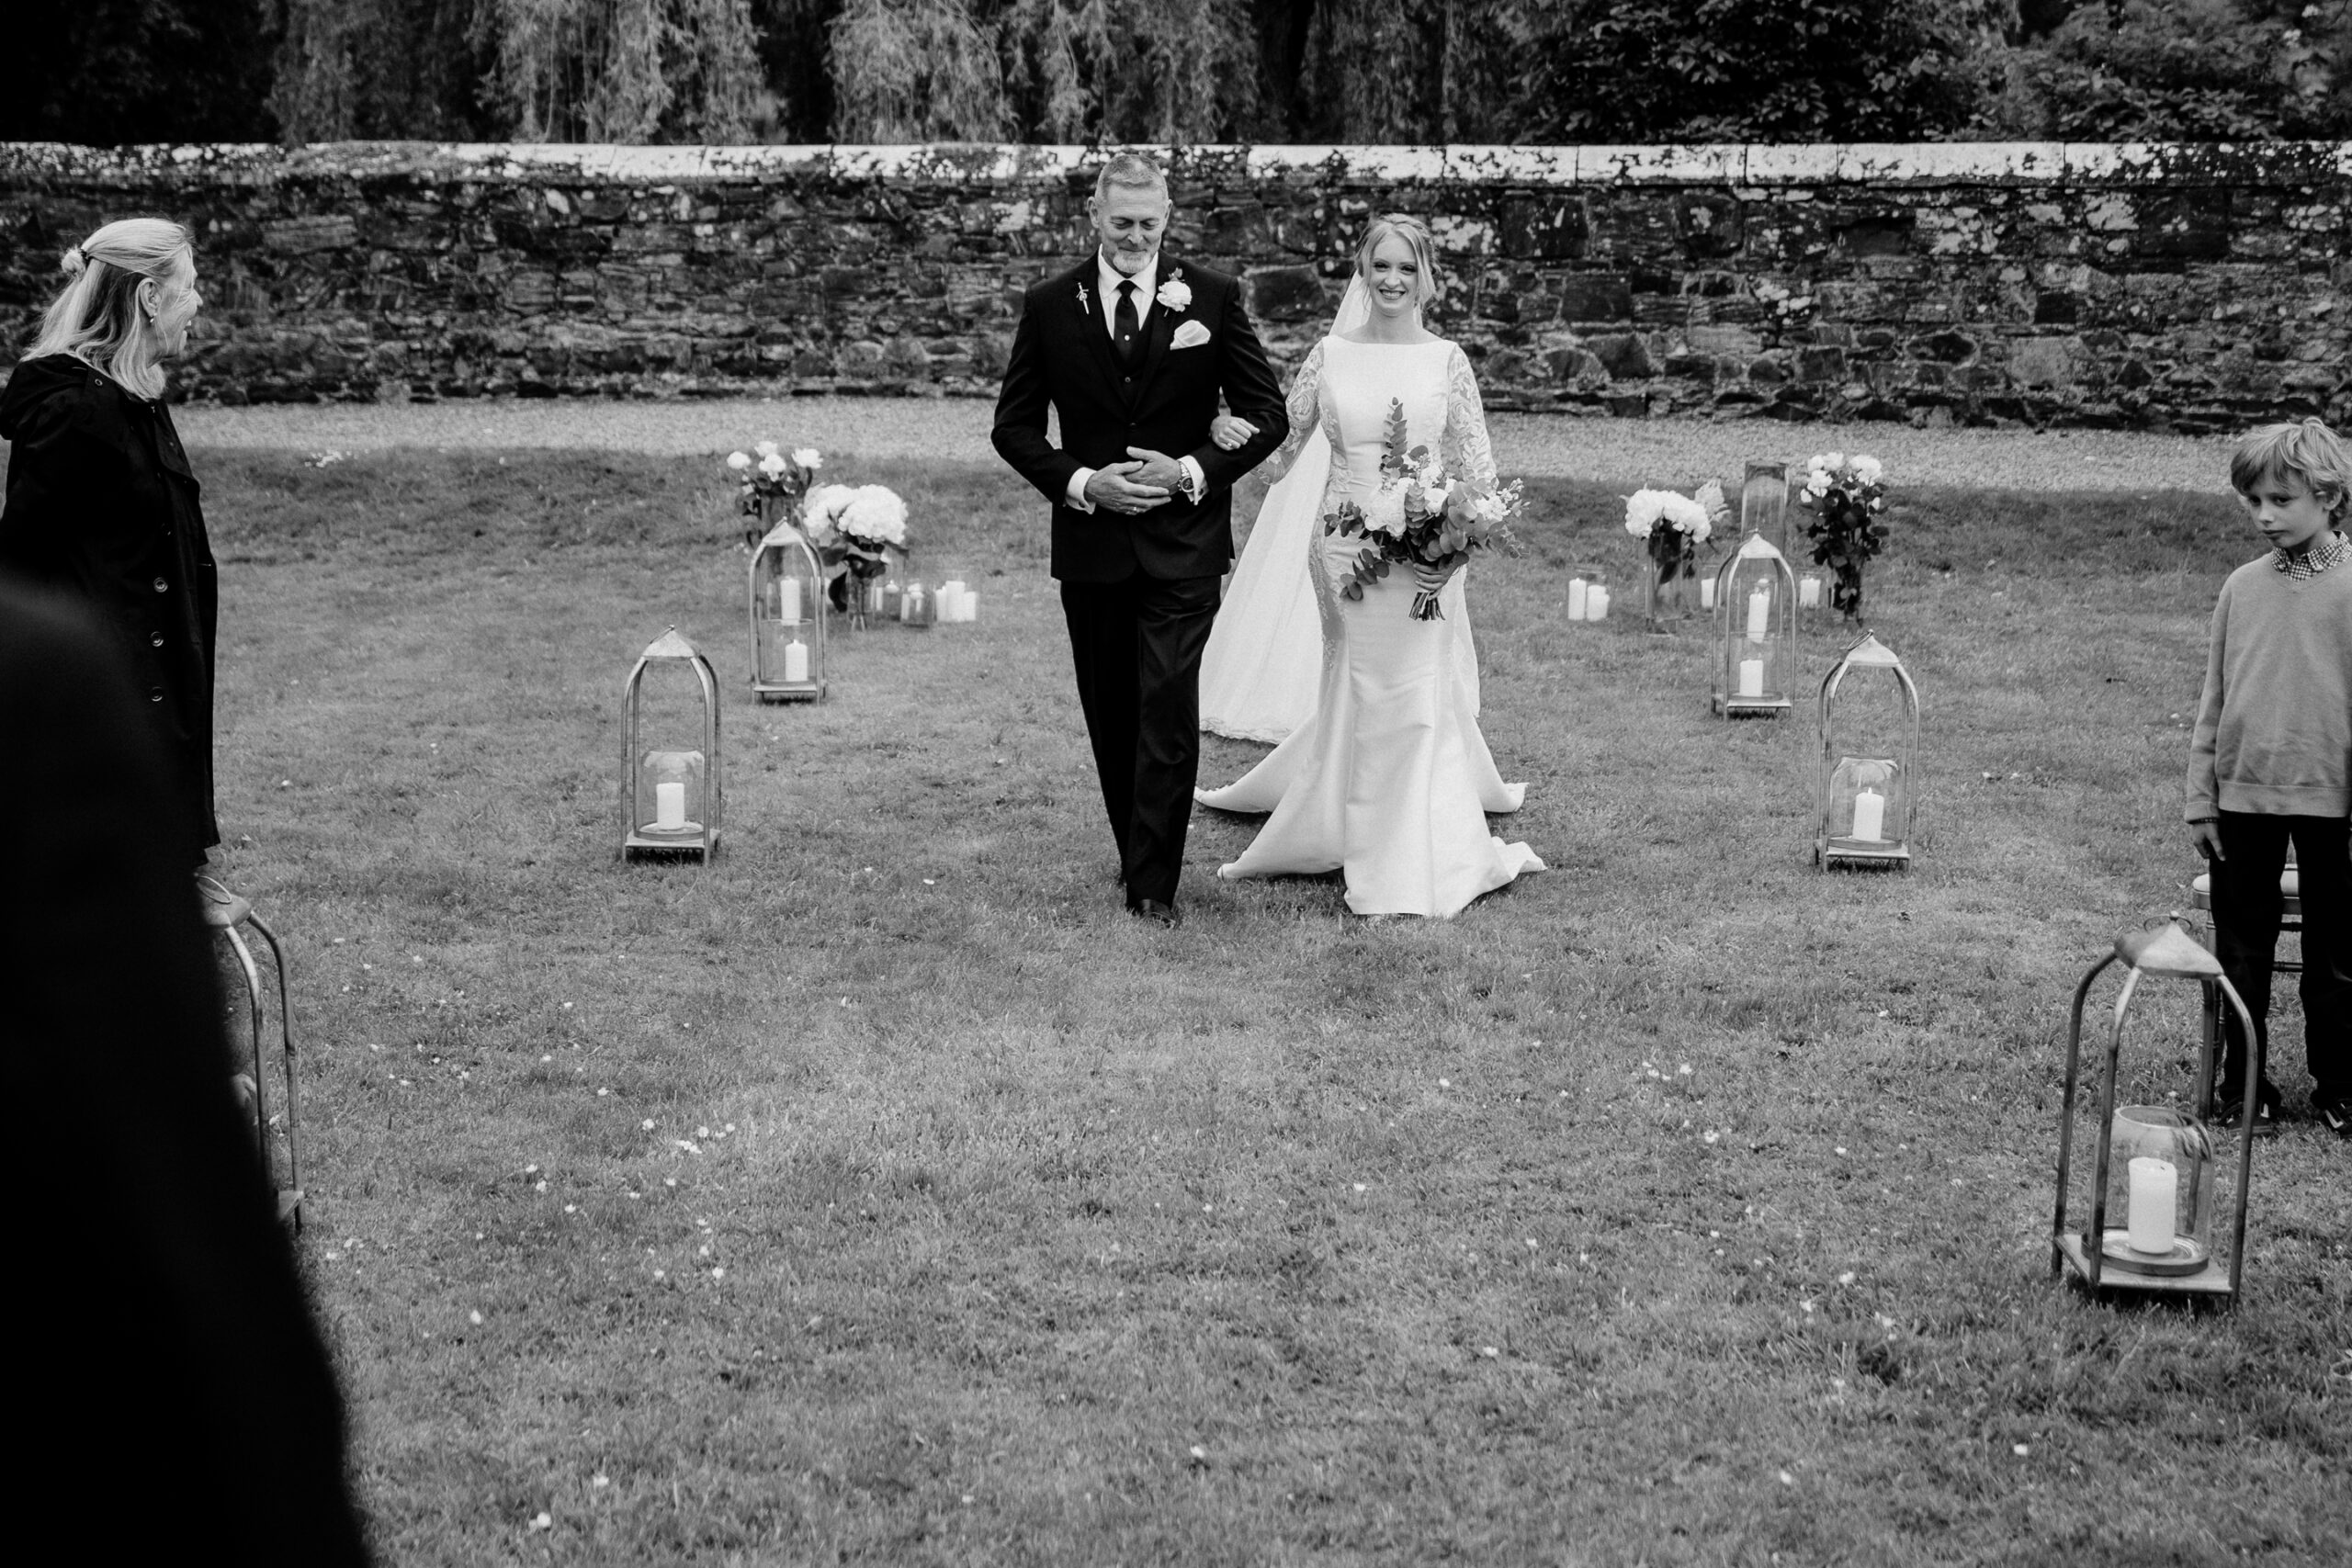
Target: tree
<point x="2180" y="69"/>
<point x="109" y="72"/>
<point x="630" y="70"/>
<point x="1645" y="71"/>
<point x="390" y="69"/>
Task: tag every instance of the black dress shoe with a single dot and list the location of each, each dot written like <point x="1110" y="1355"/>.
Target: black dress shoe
<point x="1154" y="909"/>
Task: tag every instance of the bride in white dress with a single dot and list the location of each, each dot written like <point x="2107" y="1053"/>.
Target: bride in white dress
<point x="1389" y="780"/>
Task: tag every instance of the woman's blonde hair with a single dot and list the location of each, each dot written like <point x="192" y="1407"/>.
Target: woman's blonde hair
<point x="96" y="318"/>
<point x="1414" y="233"/>
<point x="2307" y="451"/>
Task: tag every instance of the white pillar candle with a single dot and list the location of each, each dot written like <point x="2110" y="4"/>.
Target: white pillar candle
<point x="2155" y="1198"/>
<point x="1575" y="598"/>
<point x="670" y="805"/>
<point x="788" y="599"/>
<point x="971" y="603"/>
<point x="951" y="599"/>
<point x="1760" y="613"/>
<point x="1809" y="594"/>
<point x="1596" y="603"/>
<point x="1706" y="593"/>
<point x="1751" y="677"/>
<point x="795" y="660"/>
<point x="1869" y="816"/>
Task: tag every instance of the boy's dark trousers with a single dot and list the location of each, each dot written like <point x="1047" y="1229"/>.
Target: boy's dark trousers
<point x="2247" y="911"/>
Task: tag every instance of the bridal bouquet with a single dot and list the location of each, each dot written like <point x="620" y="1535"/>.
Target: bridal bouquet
<point x="1674" y="525"/>
<point x="1846" y="498"/>
<point x="1421" y="515"/>
<point x="771" y="480"/>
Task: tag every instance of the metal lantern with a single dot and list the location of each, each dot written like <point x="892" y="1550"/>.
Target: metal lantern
<point x="1764" y="504"/>
<point x="225" y="911"/>
<point x="1587" y="591"/>
<point x="669" y="793"/>
<point x="2165" y="1195"/>
<point x="787" y="596"/>
<point x="1863" y="802"/>
<point x="1755" y="626"/>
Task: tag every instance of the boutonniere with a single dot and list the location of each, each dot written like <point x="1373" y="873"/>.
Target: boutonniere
<point x="1175" y="294"/>
<point x="1085" y="306"/>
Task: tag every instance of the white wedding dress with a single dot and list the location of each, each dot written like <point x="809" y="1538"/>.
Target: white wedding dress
<point x="1388" y="780"/>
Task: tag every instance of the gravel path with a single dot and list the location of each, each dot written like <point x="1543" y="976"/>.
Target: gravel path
<point x="1621" y="451"/>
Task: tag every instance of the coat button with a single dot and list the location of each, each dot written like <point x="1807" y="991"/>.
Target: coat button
<point x="156" y="640"/>
<point x="155" y="693"/>
<point x="162" y="586"/>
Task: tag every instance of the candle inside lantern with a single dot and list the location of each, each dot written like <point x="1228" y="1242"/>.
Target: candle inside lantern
<point x="795" y="660"/>
<point x="1760" y="613"/>
<point x="2155" y="1198"/>
<point x="1577" y="592"/>
<point x="670" y="806"/>
<point x="1751" y="677"/>
<point x="1706" y="593"/>
<point x="1869" y="816"/>
<point x="788" y="599"/>
<point x="971" y="603"/>
<point x="1596" y="603"/>
<point x="1809" y="592"/>
<point x="951" y="599"/>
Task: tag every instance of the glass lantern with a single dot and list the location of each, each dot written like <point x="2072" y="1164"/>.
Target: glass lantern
<point x="1813" y="592"/>
<point x="1764" y="504"/>
<point x="918" y="606"/>
<point x="1862" y="802"/>
<point x="787" y="597"/>
<point x="1588" y="591"/>
<point x="1755" y="667"/>
<point x="1666" y="600"/>
<point x="862" y="599"/>
<point x="670" y="791"/>
<point x="2155" y="1179"/>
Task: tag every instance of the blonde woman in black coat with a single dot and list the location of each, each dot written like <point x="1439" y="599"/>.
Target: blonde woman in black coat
<point x="102" y="507"/>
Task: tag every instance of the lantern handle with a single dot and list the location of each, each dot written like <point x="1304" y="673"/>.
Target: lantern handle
<point x="2066" y="1107"/>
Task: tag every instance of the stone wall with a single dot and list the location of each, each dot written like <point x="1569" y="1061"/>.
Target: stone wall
<point x="2166" y="286"/>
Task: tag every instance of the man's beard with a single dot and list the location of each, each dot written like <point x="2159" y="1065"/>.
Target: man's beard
<point x="1128" y="263"/>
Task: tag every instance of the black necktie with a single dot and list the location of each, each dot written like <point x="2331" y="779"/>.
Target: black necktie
<point x="1125" y="326"/>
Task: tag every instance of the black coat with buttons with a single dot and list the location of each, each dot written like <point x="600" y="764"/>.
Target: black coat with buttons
<point x="102" y="509"/>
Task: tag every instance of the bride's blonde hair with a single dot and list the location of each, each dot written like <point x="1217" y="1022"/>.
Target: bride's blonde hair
<point x="1414" y="233"/>
<point x="96" y="318"/>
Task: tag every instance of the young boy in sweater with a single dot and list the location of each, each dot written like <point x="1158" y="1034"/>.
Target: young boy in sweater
<point x="2271" y="760"/>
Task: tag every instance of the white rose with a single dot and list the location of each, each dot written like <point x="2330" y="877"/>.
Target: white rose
<point x="875" y="513"/>
<point x="1835" y="460"/>
<point x="1491" y="508"/>
<point x="739" y="461"/>
<point x="766" y="448"/>
<point x="807" y="457"/>
<point x="1434" y="498"/>
<point x="1385" y="514"/>
<point x="773" y="464"/>
<point x="1175" y="294"/>
<point x="1868" y="469"/>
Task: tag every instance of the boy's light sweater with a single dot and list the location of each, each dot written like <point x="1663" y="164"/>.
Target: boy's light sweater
<point x="2274" y="727"/>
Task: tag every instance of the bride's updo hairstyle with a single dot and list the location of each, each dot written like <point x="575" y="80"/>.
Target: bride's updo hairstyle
<point x="97" y="318"/>
<point x="1414" y="233"/>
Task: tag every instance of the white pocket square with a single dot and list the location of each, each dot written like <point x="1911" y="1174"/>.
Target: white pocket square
<point x="1192" y="334"/>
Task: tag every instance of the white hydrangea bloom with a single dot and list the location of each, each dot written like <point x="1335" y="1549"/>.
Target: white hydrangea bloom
<point x="1868" y="469"/>
<point x="875" y="513"/>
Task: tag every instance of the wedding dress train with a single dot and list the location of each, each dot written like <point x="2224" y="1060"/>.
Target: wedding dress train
<point x="1389" y="780"/>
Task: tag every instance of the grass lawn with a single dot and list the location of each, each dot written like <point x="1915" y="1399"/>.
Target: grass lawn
<point x="880" y="1193"/>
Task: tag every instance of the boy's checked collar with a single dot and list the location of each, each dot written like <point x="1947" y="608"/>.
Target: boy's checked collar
<point x="2320" y="556"/>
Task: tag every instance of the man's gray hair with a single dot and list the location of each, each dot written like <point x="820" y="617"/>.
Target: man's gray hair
<point x="1130" y="171"/>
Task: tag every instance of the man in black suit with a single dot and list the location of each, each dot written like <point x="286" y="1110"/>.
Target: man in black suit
<point x="1132" y="348"/>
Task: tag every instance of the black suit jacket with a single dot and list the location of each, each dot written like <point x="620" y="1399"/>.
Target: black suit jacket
<point x="1062" y="356"/>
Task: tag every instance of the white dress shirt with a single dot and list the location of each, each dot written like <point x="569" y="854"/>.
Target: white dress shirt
<point x="1147" y="282"/>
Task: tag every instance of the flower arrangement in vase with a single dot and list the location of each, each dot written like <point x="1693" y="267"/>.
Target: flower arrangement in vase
<point x="768" y="482"/>
<point x="1847" y="500"/>
<point x="1671" y="527"/>
<point x="858" y="528"/>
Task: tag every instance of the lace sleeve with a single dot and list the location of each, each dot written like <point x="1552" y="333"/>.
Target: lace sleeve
<point x="1305" y="395"/>
<point x="1468" y="451"/>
